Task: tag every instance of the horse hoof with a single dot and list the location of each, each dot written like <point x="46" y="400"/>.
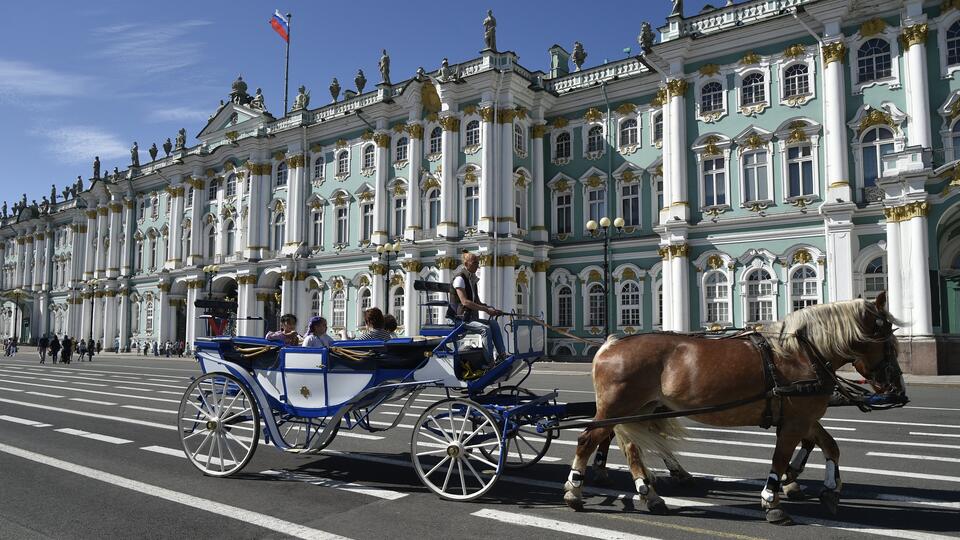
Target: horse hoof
<point x="830" y="500"/>
<point x="777" y="516"/>
<point x="795" y="492"/>
<point x="657" y="507"/>
<point x="573" y="501"/>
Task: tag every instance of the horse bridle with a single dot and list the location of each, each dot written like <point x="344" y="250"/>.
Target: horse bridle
<point x="888" y="371"/>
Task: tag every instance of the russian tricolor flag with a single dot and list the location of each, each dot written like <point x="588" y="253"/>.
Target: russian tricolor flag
<point x="280" y="24"/>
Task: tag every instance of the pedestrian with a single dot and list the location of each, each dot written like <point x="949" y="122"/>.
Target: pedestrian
<point x="81" y="349"/>
<point x="66" y="349"/>
<point x="116" y="345"/>
<point x="54" y="348"/>
<point x="156" y="348"/>
<point x="99" y="346"/>
<point x="167" y="348"/>
<point x="42" y="345"/>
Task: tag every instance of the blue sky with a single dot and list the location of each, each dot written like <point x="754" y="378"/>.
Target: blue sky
<point x="83" y="79"/>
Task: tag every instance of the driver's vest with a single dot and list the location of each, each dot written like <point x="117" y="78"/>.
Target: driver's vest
<point x="456" y="309"/>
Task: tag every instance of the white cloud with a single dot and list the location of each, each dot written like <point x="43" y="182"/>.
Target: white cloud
<point x="174" y="114"/>
<point x="150" y="49"/>
<point x="20" y="81"/>
<point x="79" y="144"/>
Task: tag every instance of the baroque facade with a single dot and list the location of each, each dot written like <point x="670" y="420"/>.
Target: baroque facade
<point x="764" y="156"/>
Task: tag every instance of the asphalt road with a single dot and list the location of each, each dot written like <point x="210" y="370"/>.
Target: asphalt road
<point x="90" y="451"/>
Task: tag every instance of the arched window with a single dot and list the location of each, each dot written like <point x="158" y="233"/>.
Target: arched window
<point x="717" y="296"/>
<point x="519" y="140"/>
<point x="135" y="318"/>
<point x="596" y="203"/>
<point x="154" y="252"/>
<point x="185" y="247"/>
<point x="760" y="300"/>
<point x="597" y="300"/>
<point x="564" y="206"/>
<point x="369" y="157"/>
<point x="399" y="303"/>
<point x="402" y="144"/>
<point x="876" y="142"/>
<point x="630" y="304"/>
<point x="399" y="215"/>
<point x="279" y="226"/>
<point x="521" y="304"/>
<point x="752" y="90"/>
<point x="318" y="167"/>
<point x="316" y="227"/>
<point x="803" y="288"/>
<point x="339" y="310"/>
<point x="230" y="237"/>
<point x="711" y="97"/>
<point x="315" y="303"/>
<point x="471" y="205"/>
<point x="796" y="81"/>
<point x="366" y="220"/>
<point x="149" y="326"/>
<point x="715" y="181"/>
<point x="874" y="279"/>
<point x="520" y="207"/>
<point x="595" y="139"/>
<point x="365" y="303"/>
<point x="138" y="262"/>
<point x="565" y="307"/>
<point x="433" y="208"/>
<point x="212" y="189"/>
<point x="343" y="163"/>
<point x="657" y="127"/>
<point x="211" y="242"/>
<point x="473" y="133"/>
<point x="755" y="176"/>
<point x="630" y="204"/>
<point x="231" y="188"/>
<point x="628" y="132"/>
<point x="873" y="61"/>
<point x="281" y="174"/>
<point x="436" y="140"/>
<point x="800" y="169"/>
<point x="562" y="145"/>
<point x="953" y="44"/>
<point x="343" y="233"/>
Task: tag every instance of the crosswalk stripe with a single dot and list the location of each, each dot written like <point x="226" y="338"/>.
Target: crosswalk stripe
<point x="526" y="520"/>
<point x="891" y="423"/>
<point x="101" y="392"/>
<point x="914" y="456"/>
<point x="94" y="401"/>
<point x="952" y="435"/>
<point x="149" y="409"/>
<point x="90" y="415"/>
<point x="23" y="421"/>
<point x="94" y="436"/>
<point x="43" y="394"/>
<point x="81" y="377"/>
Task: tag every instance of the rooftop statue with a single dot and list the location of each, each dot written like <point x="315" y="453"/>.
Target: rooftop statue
<point x="490" y="31"/>
<point x="96" y="167"/>
<point x="335" y="89"/>
<point x="153" y="152"/>
<point x="53" y="194"/>
<point x="135" y="155"/>
<point x="258" y="102"/>
<point x="444" y="73"/>
<point x="302" y="101"/>
<point x="238" y="92"/>
<point x="385" y="67"/>
<point x="360" y="80"/>
<point x="646" y="37"/>
<point x="579" y="55"/>
<point x="3" y="209"/>
<point x="677" y="8"/>
<point x="167" y="147"/>
<point x="181" y="139"/>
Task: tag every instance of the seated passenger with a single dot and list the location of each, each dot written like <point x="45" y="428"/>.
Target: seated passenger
<point x="373" y="318"/>
<point x="317" y="334"/>
<point x="390" y="325"/>
<point x="288" y="331"/>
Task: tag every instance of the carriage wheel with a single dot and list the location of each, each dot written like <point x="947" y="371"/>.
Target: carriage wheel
<point x="447" y="449"/>
<point x="299" y="433"/>
<point x="525" y="446"/>
<point x="219" y="424"/>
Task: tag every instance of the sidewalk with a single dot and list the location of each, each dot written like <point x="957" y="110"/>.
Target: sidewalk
<point x="29" y="351"/>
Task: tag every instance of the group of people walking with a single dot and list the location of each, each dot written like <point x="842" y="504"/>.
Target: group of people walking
<point x="63" y="349"/>
<point x="168" y="348"/>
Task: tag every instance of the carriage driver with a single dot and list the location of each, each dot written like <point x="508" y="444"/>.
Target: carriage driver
<point x="466" y="305"/>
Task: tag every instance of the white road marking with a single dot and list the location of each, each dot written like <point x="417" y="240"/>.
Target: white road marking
<point x="10" y="389"/>
<point x="91" y="415"/>
<point x="23" y="421"/>
<point x="94" y="391"/>
<point x="165" y="380"/>
<point x="952" y="435"/>
<point x="50" y="380"/>
<point x="932" y="408"/>
<point x="80" y="377"/>
<point x="94" y="401"/>
<point x="135" y="389"/>
<point x="553" y="525"/>
<point x="94" y="436"/>
<point x="43" y="394"/>
<point x="179" y="453"/>
<point x="892" y="423"/>
<point x="270" y="523"/>
<point x="149" y="409"/>
<point x="169" y="392"/>
<point x="914" y="456"/>
<point x="387" y="494"/>
<point x="89" y="384"/>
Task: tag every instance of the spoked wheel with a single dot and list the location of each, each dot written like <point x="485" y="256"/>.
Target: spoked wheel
<point x="525" y="446"/>
<point x="447" y="449"/>
<point x="219" y="424"/>
<point x="300" y="433"/>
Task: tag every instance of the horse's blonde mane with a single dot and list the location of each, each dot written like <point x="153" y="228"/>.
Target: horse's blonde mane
<point x="832" y="329"/>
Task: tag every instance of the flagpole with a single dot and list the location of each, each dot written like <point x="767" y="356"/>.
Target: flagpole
<point x="286" y="69"/>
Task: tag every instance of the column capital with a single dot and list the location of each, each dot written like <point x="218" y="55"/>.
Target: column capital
<point x="414" y="130"/>
<point x="835" y="51"/>
<point x="676" y="88"/>
<point x="913" y="35"/>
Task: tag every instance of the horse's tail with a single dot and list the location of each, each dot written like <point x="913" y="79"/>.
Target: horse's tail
<point x="659" y="436"/>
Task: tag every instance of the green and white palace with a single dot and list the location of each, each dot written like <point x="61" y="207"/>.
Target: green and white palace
<point x="763" y="157"/>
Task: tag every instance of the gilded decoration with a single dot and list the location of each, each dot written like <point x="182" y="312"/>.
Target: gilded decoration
<point x="245" y="280"/>
<point x="396" y="280"/>
<point x="522" y="278"/>
<point x="594" y="276"/>
<point x="378" y="269"/>
<point x="367" y="135"/>
<point x="506" y="116"/>
<point x="559" y="123"/>
<point x="754" y="141"/>
<point x="430" y="98"/>
<point x="797" y="135"/>
<point x="450" y="123"/>
<point x="676" y="88"/>
<point x="520" y="112"/>
<point x="802" y="256"/>
<point x="91" y="214"/>
<point x="875" y="117"/>
<point x="339" y="200"/>
<point x="411" y="265"/>
<point x="628" y="274"/>
<point x="794" y="50"/>
<point x="660" y="98"/>
<point x="447" y="263"/>
<point x="399" y="128"/>
<point x="431" y="183"/>
<point x="341" y="143"/>
<point x="470" y="109"/>
<point x="626" y="108"/>
<point x="708" y="70"/>
<point x="872" y="27"/>
<point x="715" y="262"/>
<point x="592" y="115"/>
<point x="316" y="147"/>
<point x="628" y="176"/>
<point x="562" y="186"/>
<point x="906" y="212"/>
<point x="279" y="155"/>
<point x="680" y="250"/>
<point x="538" y="130"/>
<point x="103" y="210"/>
<point x="834" y="52"/>
<point x="954" y="109"/>
<point x="366" y="196"/>
<point x="399" y="190"/>
<point x="913" y="35"/>
<point x="297" y="161"/>
<point x="541" y="266"/>
<point x="508" y="260"/>
<point x="486" y="260"/>
<point x="337" y="284"/>
<point x="658" y="170"/>
<point x="711" y="148"/>
<point x="415" y="131"/>
<point x="750" y="58"/>
<point x="594" y="181"/>
<point x="486" y="114"/>
<point x="382" y="140"/>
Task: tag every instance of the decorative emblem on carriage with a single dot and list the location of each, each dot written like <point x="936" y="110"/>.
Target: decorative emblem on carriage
<point x="305" y="392"/>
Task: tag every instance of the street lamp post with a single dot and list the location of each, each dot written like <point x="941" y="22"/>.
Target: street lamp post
<point x="605" y="225"/>
<point x="385" y="251"/>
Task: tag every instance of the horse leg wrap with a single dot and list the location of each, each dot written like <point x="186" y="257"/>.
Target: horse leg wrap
<point x="575" y="478"/>
<point x="643" y="488"/>
<point x="831" y="478"/>
<point x="771" y="489"/>
<point x="600" y="460"/>
<point x="799" y="460"/>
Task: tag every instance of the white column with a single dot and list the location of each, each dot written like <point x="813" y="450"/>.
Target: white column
<point x="126" y="255"/>
<point x="21" y="261"/>
<point x="38" y="259"/>
<point x="43" y="306"/>
<point x="378" y="286"/>
<point x="85" y="315"/>
<point x="288" y="297"/>
<point x="197" y="242"/>
<point x="256" y="235"/>
<point x="840" y="245"/>
<point x="163" y="314"/>
<point x="411" y="305"/>
<point x="488" y="173"/>
<point x="46" y="276"/>
<point x="103" y="213"/>
<point x="415" y="156"/>
<point x="110" y="319"/>
<point x="666" y="282"/>
<point x="917" y="259"/>
<point x="27" y="278"/>
<point x="89" y="260"/>
<point x="675" y="134"/>
<point x="123" y="318"/>
<point x="174" y="247"/>
<point x="681" y="292"/>
<point x="296" y="202"/>
<point x="503" y="180"/>
<point x="116" y="233"/>
<point x="196" y="326"/>
<point x="450" y="152"/>
<point x="914" y="39"/>
<point x="895" y="267"/>
<point x="835" y="129"/>
<point x="538" y="229"/>
<point x="380" y="219"/>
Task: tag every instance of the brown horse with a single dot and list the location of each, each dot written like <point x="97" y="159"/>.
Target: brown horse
<point x="636" y="375"/>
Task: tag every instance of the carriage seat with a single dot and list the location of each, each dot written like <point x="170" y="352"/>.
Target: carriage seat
<point x="397" y="353"/>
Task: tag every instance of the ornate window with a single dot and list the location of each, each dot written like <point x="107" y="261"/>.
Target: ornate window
<point x="473" y="133"/>
<point x="212" y="190"/>
<point x="316" y="303"/>
<point x="796" y="81"/>
<point x="564" y="207"/>
<point x="399" y="303"/>
<point x="520" y="207"/>
<point x="278" y="230"/>
<point x="874" y="61"/>
<point x="318" y="167"/>
<point x="149" y="326"/>
<point x="366" y="302"/>
<point x="595" y="140"/>
<point x="343" y="163"/>
<point x="436" y="140"/>
<point x="471" y="205"/>
<point x="804" y="290"/>
<point x="955" y="137"/>
<point x="339" y="309"/>
<point x="211" y="242"/>
<point x="597" y="301"/>
<point x="154" y="207"/>
<point x="953" y="44"/>
<point x="343" y="232"/>
<point x="369" y="157"/>
<point x="658" y="198"/>
<point x="561" y="146"/>
<point x="399" y="215"/>
<point x="185" y="247"/>
<point x="630" y="204"/>
<point x="800" y="179"/>
<point x="230" y="237"/>
<point x="519" y="140"/>
<point x="714" y="181"/>
<point x="433" y="208"/>
<point x="876" y="142"/>
<point x="154" y="252"/>
<point x="596" y="203"/>
<point x="401" y="150"/>
<point x="628" y="133"/>
<point x="316" y="227"/>
<point x="521" y="299"/>
<point x="630" y="304"/>
<point x="366" y="223"/>
<point x="753" y="90"/>
<point x="760" y="299"/>
<point x="231" y="186"/>
<point x="755" y="177"/>
<point x="138" y="261"/>
<point x="281" y="174"/>
<point x="135" y="318"/>
<point x="716" y="290"/>
<point x="657" y="127"/>
<point x="874" y="279"/>
<point x="711" y="97"/>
